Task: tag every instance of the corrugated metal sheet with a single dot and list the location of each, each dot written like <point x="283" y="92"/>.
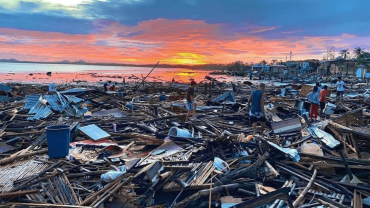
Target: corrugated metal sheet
<point x="5" y="88"/>
<point x="291" y="125"/>
<point x="74" y="90"/>
<point x="227" y="96"/>
<point x="57" y="101"/>
<point x="94" y="132"/>
<point x="115" y="112"/>
<point x="41" y="111"/>
<point x="328" y="139"/>
<point x="293" y="153"/>
<point x="31" y="101"/>
<point x="73" y="99"/>
<point x="17" y="170"/>
<point x="70" y="111"/>
<point x="42" y="106"/>
<point x="4" y="98"/>
<point x="73" y="111"/>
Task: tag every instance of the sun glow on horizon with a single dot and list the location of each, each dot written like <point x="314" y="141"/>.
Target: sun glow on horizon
<point x="186" y="59"/>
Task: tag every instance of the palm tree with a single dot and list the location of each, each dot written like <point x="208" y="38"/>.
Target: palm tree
<point x="358" y="52"/>
<point x="345" y="53"/>
<point x="263" y="62"/>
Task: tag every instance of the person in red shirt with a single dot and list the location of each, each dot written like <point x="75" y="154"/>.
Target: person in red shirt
<point x="322" y="97"/>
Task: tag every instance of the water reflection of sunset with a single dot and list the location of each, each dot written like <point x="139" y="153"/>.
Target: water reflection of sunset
<point x="70" y="73"/>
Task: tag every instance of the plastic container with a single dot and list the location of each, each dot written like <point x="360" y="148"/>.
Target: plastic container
<point x="177" y="132"/>
<point x="131" y="106"/>
<point x="162" y="97"/>
<point x="58" y="138"/>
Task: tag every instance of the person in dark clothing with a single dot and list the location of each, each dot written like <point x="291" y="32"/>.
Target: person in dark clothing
<point x="318" y="85"/>
<point x="191" y="105"/>
<point x="106" y="85"/>
<point x="256" y="108"/>
<point x="250" y="76"/>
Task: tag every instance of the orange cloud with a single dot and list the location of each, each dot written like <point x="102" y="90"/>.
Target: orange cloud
<point x="168" y="41"/>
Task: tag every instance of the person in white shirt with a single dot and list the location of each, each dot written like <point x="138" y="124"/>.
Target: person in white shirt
<point x="340" y="88"/>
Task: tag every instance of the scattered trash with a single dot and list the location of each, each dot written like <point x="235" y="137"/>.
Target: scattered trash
<point x="78" y="146"/>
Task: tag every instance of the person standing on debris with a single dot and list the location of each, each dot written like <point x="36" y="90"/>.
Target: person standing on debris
<point x="340" y="88"/>
<point x="256" y="108"/>
<point x="251" y="75"/>
<point x="322" y="98"/>
<point x="191" y="105"/>
<point x="313" y="98"/>
<point x="106" y="85"/>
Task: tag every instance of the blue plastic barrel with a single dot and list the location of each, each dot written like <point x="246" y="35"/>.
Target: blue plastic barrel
<point x="162" y="97"/>
<point x="58" y="138"/>
<point x="177" y="132"/>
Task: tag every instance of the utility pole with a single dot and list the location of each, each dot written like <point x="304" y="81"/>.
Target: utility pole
<point x="290" y="56"/>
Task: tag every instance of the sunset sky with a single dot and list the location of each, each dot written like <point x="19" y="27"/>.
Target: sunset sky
<point x="180" y="31"/>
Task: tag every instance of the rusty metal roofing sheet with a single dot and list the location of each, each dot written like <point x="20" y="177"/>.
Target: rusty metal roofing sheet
<point x="94" y="132"/>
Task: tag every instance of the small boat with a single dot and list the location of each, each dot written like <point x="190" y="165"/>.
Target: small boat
<point x="48" y="73"/>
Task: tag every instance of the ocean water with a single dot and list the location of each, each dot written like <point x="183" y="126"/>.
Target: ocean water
<point x="67" y="73"/>
<point x="61" y="73"/>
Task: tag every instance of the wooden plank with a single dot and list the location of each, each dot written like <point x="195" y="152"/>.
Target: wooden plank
<point x="305" y="90"/>
<point x="19" y="193"/>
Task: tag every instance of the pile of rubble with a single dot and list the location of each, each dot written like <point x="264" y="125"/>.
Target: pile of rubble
<point x="132" y="148"/>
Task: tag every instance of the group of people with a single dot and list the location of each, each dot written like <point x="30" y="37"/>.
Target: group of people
<point x="108" y="86"/>
<point x="256" y="104"/>
<point x="318" y="96"/>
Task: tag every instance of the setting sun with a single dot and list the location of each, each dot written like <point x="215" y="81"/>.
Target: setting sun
<point x="186" y="58"/>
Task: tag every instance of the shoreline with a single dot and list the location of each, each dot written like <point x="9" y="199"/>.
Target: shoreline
<point x="195" y="67"/>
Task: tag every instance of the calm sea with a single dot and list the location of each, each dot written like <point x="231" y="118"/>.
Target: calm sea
<point x="61" y="73"/>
